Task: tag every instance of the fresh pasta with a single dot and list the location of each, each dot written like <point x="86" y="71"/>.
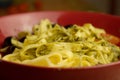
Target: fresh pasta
<point x="51" y="45"/>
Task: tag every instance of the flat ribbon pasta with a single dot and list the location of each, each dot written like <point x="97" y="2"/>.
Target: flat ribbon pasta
<point x="56" y="46"/>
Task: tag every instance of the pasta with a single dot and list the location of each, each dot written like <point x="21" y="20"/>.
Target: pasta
<point x="51" y="45"/>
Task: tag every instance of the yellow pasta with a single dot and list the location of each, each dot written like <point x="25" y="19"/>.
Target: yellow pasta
<point x="51" y="45"/>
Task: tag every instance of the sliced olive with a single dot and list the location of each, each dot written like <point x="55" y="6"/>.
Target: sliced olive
<point x="53" y="25"/>
<point x="22" y="39"/>
<point x="68" y="26"/>
<point x="9" y="50"/>
<point x="7" y="41"/>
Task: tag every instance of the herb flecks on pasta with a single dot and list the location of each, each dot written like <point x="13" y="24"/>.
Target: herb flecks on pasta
<point x="56" y="46"/>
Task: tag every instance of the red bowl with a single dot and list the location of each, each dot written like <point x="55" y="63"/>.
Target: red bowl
<point x="11" y="25"/>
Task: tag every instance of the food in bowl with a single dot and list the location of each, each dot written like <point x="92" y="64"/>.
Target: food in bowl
<point x="52" y="45"/>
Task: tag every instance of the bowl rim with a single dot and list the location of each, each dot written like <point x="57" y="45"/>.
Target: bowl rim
<point x="68" y="11"/>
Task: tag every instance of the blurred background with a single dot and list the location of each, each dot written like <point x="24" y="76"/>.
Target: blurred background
<point x="8" y="7"/>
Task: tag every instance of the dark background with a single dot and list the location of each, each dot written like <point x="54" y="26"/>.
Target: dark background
<point x="8" y="7"/>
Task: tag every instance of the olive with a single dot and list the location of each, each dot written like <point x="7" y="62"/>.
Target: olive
<point x="7" y="41"/>
<point x="9" y="50"/>
<point x="53" y="25"/>
<point x="10" y="47"/>
<point x="22" y="39"/>
<point x="68" y="26"/>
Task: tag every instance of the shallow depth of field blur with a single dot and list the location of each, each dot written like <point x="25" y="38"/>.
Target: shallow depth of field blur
<point x="8" y="7"/>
